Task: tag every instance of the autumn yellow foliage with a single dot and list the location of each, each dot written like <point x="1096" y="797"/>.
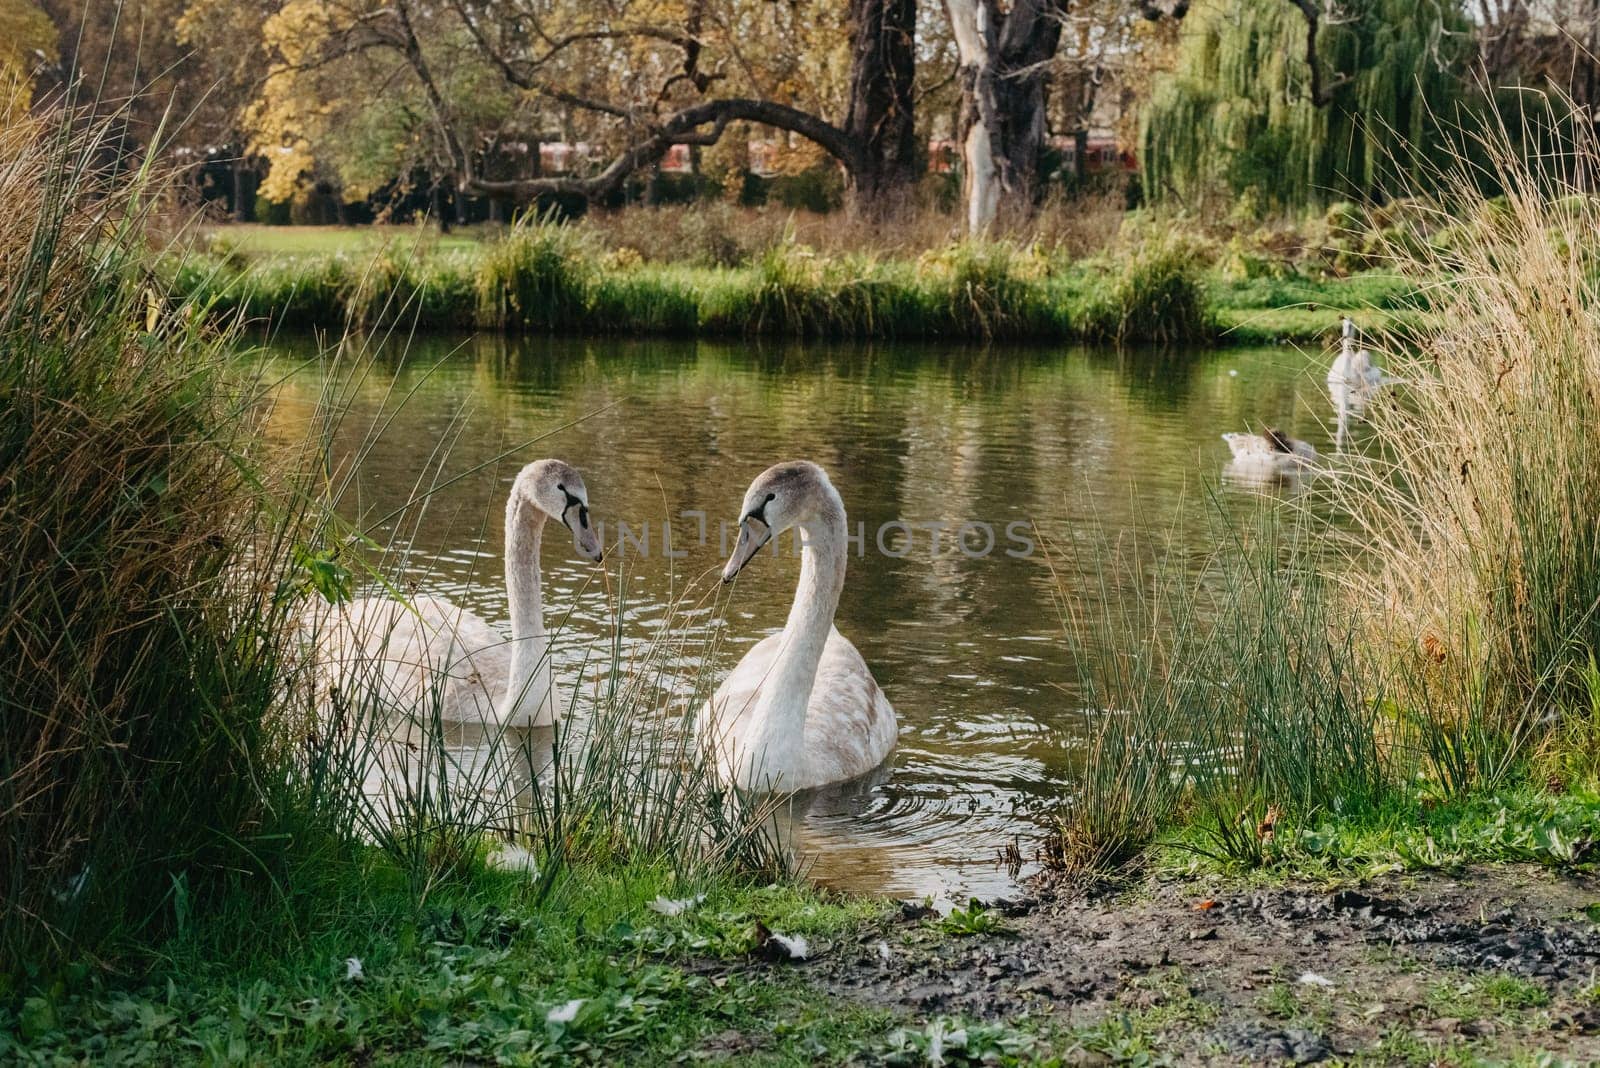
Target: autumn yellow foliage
<point x="27" y="38"/>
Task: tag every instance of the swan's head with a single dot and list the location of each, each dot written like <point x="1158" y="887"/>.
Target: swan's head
<point x="781" y="496"/>
<point x="1349" y="327"/>
<point x="557" y="490"/>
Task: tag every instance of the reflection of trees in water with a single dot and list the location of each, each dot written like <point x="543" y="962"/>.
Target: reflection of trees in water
<point x="1158" y="376"/>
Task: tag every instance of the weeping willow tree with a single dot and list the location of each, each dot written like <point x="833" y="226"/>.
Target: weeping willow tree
<point x="1238" y="116"/>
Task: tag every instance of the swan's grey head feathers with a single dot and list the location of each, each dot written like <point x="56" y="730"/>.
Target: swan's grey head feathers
<point x="780" y="497"/>
<point x="556" y="488"/>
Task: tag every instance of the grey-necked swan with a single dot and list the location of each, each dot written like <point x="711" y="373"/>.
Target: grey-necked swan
<point x="409" y="656"/>
<point x="1352" y="369"/>
<point x="801" y="710"/>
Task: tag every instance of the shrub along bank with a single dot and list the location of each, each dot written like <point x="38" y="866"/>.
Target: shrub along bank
<point x="545" y="277"/>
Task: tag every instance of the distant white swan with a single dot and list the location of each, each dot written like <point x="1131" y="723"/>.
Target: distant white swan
<point x="801" y="710"/>
<point x="1270" y="453"/>
<point x="406" y="657"/>
<point x="1352" y="369"/>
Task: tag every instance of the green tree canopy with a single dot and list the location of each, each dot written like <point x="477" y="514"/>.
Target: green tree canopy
<point x="1239" y="115"/>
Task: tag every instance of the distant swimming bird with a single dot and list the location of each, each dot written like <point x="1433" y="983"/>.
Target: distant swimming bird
<point x="802" y="709"/>
<point x="1272" y="451"/>
<point x="405" y="656"/>
<point x="1352" y="369"/>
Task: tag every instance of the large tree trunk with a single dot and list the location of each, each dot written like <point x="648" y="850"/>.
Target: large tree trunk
<point x="882" y="104"/>
<point x="243" y="191"/>
<point x="970" y="23"/>
<point x="441" y="218"/>
<point x="1002" y="78"/>
<point x="1028" y="42"/>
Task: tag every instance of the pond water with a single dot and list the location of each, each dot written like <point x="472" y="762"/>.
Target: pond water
<point x="1072" y="445"/>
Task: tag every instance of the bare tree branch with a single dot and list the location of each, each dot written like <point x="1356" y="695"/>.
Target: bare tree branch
<point x="682" y="128"/>
<point x="1321" y="95"/>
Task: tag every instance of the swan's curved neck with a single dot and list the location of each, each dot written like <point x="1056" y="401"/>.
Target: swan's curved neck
<point x="786" y="693"/>
<point x="529" y="680"/>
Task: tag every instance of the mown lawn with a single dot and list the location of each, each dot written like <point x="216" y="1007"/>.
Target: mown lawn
<point x="260" y="242"/>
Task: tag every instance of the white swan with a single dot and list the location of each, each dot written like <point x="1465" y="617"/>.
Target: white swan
<point x="1272" y="453"/>
<point x="407" y="657"/>
<point x="801" y="710"/>
<point x="1352" y="369"/>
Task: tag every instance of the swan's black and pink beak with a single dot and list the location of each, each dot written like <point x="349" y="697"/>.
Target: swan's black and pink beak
<point x="584" y="538"/>
<point x="753" y="534"/>
<point x="587" y="542"/>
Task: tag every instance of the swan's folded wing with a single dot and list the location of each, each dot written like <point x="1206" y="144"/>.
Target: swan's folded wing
<point x="850" y="723"/>
<point x="1248" y="446"/>
<point x="721" y="716"/>
<point x="406" y="660"/>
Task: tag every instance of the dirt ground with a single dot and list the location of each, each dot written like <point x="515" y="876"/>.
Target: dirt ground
<point x="1489" y="965"/>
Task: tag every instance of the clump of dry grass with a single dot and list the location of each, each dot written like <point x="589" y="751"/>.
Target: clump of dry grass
<point x="1074" y="227"/>
<point x="709" y="234"/>
<point x="720" y="234"/>
<point x="134" y="669"/>
<point x="1480" y="498"/>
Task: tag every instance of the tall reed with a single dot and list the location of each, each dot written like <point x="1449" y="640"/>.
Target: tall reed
<point x="1219" y="692"/>
<point x="1449" y="626"/>
<point x="631" y="781"/>
<point x="1479" y="498"/>
<point x="141" y="607"/>
<point x="539" y="277"/>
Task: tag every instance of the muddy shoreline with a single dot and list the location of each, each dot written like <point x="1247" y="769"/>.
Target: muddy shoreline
<point x="1489" y="963"/>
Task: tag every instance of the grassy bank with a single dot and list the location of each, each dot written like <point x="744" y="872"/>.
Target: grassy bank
<point x="1155" y="287"/>
<point x="494" y="967"/>
<point x="1406" y="669"/>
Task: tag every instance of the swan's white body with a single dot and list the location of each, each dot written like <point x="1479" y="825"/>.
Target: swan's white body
<point x="848" y="726"/>
<point x="1272" y="453"/>
<point x="408" y="658"/>
<point x="801" y="709"/>
<point x="428" y="656"/>
<point x="1353" y="377"/>
<point x="1353" y="370"/>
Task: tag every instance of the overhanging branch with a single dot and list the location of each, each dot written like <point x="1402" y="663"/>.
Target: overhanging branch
<point x="1321" y="95"/>
<point x="686" y="127"/>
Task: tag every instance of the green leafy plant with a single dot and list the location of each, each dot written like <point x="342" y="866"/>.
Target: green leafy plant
<point x="943" y="1041"/>
<point x="975" y="919"/>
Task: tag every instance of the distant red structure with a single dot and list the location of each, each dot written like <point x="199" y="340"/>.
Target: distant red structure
<point x="1104" y="155"/>
<point x="677" y="160"/>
